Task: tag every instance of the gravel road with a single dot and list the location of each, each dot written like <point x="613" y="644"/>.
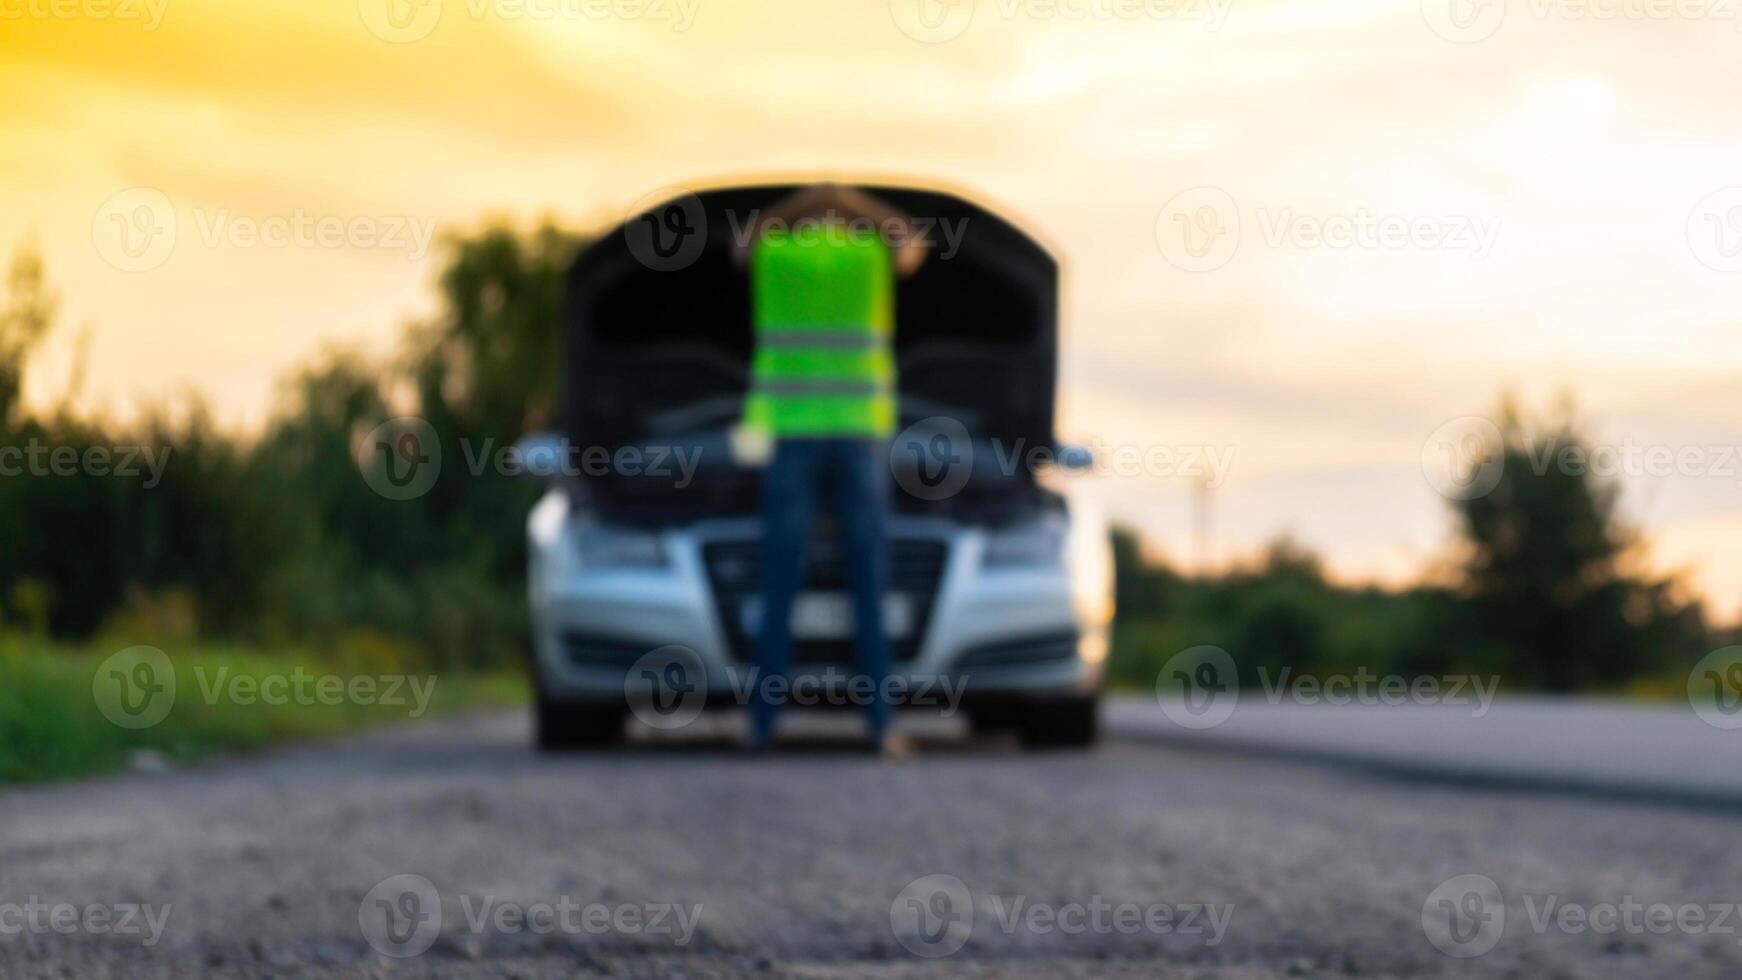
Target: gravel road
<point x="680" y="857"/>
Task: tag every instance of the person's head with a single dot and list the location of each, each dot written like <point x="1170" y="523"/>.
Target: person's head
<point x="814" y="206"/>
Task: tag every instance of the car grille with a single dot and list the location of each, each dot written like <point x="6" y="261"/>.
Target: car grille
<point x="916" y="567"/>
<point x="588" y="650"/>
<point x="1020" y="653"/>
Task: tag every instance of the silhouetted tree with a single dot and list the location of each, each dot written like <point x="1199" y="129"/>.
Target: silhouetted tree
<point x="1544" y="578"/>
<point x="24" y="320"/>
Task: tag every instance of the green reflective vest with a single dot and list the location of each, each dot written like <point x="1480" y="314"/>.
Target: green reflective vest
<point x="823" y="308"/>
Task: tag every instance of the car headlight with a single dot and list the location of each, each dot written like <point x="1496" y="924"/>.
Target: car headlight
<point x="612" y="547"/>
<point x="1028" y="544"/>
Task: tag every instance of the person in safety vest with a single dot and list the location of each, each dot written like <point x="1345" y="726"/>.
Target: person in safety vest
<point x="819" y="413"/>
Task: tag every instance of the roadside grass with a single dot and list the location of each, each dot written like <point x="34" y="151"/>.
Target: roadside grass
<point x="52" y="728"/>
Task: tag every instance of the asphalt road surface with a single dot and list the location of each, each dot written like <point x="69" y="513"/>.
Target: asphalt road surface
<point x="453" y="843"/>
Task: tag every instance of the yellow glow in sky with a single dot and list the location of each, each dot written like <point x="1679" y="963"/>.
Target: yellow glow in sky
<point x="1559" y="182"/>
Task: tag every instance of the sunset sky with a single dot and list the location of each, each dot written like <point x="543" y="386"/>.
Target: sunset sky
<point x="1594" y="152"/>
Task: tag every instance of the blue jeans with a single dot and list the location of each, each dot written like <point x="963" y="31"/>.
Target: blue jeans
<point x="852" y="477"/>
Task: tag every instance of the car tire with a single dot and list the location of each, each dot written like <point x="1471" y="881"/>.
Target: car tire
<point x="561" y="726"/>
<point x="1065" y="723"/>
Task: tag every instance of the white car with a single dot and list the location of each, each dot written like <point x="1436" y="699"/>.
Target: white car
<point x="645" y="554"/>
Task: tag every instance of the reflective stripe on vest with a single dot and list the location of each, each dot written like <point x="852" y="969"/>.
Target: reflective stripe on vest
<point x="822" y="304"/>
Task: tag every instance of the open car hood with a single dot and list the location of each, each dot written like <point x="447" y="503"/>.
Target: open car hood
<point x="658" y="337"/>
